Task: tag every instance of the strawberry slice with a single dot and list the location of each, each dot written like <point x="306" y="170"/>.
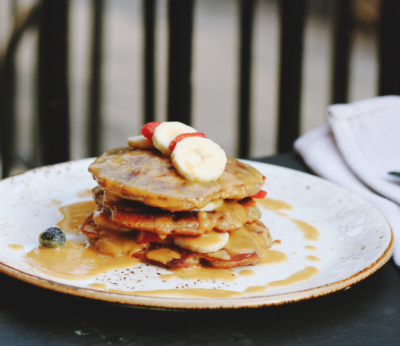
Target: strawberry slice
<point x="260" y="194"/>
<point x="148" y="130"/>
<point x="146" y="237"/>
<point x="177" y="139"/>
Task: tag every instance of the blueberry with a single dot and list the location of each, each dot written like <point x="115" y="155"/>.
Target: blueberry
<point x="52" y="237"/>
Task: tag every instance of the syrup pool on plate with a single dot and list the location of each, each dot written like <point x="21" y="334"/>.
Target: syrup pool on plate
<point x="79" y="261"/>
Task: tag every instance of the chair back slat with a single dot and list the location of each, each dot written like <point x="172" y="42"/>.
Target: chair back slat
<point x="389" y="48"/>
<point x="292" y="20"/>
<point x="7" y="118"/>
<point x="95" y="80"/>
<point x="149" y="24"/>
<point x="52" y="77"/>
<point x="245" y="80"/>
<point x="24" y="21"/>
<point x="53" y="101"/>
<point x="180" y="21"/>
<point x="342" y="41"/>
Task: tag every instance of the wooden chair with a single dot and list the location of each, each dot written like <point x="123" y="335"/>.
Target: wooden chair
<point x="50" y="17"/>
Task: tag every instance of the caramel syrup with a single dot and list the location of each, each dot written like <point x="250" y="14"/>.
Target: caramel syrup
<point x="77" y="261"/>
<point x="15" y="247"/>
<point x="74" y="215"/>
<point x="309" y="231"/>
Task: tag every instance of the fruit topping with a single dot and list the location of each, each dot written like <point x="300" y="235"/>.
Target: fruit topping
<point x="140" y="142"/>
<point x="211" y="206"/>
<point x="166" y="132"/>
<point x="199" y="159"/>
<point x="52" y="237"/>
<point x="177" y="139"/>
<point x="209" y="242"/>
<point x="148" y="129"/>
<point x="260" y="194"/>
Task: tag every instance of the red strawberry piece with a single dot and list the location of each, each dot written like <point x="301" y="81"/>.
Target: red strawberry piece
<point x="148" y="130"/>
<point x="177" y="139"/>
<point x="146" y="237"/>
<point x="260" y="194"/>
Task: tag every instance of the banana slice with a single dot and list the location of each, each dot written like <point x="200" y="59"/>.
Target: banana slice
<point x="211" y="206"/>
<point x="140" y="142"/>
<point x="166" y="132"/>
<point x="209" y="242"/>
<point x="220" y="254"/>
<point x="199" y="159"/>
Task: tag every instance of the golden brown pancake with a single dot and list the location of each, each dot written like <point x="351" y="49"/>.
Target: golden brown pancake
<point x="109" y="242"/>
<point x="124" y="215"/>
<point x="90" y="229"/>
<point x="192" y="259"/>
<point x="144" y="204"/>
<point x="148" y="177"/>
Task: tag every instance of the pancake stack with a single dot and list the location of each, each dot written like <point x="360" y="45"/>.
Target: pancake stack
<point x="147" y="210"/>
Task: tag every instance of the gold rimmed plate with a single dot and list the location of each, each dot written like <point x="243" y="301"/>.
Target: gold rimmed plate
<point x="327" y="238"/>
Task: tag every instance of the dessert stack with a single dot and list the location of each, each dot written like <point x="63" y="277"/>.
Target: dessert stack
<point x="173" y="198"/>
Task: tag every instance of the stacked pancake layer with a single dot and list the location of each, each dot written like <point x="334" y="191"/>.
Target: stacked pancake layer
<point x="146" y="210"/>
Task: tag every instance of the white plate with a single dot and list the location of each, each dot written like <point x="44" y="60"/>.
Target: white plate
<point x="355" y="239"/>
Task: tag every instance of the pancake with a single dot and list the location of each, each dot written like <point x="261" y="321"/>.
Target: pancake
<point x="123" y="215"/>
<point x="148" y="177"/>
<point x="90" y="229"/>
<point x="193" y="259"/>
<point x="139" y="244"/>
<point x="147" y="210"/>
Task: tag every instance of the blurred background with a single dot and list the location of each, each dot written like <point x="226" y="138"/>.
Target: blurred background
<point x="118" y="69"/>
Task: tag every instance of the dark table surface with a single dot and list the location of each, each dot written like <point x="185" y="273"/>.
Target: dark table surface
<point x="366" y="314"/>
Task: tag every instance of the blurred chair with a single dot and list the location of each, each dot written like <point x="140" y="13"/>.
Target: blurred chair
<point x="51" y="19"/>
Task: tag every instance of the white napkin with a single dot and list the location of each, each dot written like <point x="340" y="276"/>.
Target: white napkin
<point x="357" y="149"/>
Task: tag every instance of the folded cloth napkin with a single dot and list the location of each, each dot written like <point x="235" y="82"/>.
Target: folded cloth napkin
<point x="356" y="149"/>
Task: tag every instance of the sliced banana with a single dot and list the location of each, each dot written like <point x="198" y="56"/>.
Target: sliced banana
<point x="140" y="142"/>
<point x="211" y="206"/>
<point x="208" y="242"/>
<point x="220" y="254"/>
<point x="199" y="159"/>
<point x="240" y="242"/>
<point x="166" y="132"/>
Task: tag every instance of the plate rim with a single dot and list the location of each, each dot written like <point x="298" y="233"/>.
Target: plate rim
<point x="176" y="303"/>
